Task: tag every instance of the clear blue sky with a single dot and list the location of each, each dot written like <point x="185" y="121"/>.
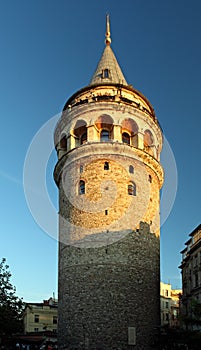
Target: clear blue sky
<point x="49" y="49"/>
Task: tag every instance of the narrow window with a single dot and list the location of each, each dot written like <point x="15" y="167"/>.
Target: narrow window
<point x="54" y="319"/>
<point x="126" y="138"/>
<point x="105" y="135"/>
<point x="150" y="179"/>
<point x="81" y="168"/>
<point x="36" y="318"/>
<point x="131" y="189"/>
<point x="106" y="166"/>
<point x="105" y="73"/>
<point x="82" y="187"/>
<point x="106" y="212"/>
<point x="83" y="138"/>
<point x="131" y="169"/>
<point x="36" y="329"/>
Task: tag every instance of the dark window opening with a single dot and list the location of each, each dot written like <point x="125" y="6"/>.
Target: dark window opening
<point x="105" y="73"/>
<point x="126" y="138"/>
<point x="82" y="187"/>
<point x="131" y="169"/>
<point x="150" y="179"/>
<point x="54" y="319"/>
<point x="36" y="318"/>
<point x="132" y="189"/>
<point x="105" y="135"/>
<point x="106" y="212"/>
<point x="83" y="138"/>
<point x="81" y="168"/>
<point x="106" y="166"/>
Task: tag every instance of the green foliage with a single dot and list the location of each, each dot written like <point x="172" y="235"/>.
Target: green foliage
<point x="11" y="307"/>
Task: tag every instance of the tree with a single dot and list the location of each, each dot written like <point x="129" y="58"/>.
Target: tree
<point x="11" y="307"/>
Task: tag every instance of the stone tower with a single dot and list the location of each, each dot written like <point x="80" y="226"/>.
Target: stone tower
<point x="109" y="176"/>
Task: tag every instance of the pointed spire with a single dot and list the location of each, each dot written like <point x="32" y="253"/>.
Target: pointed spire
<point x="108" y="69"/>
<point x="107" y="35"/>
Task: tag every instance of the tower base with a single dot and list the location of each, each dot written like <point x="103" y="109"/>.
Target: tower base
<point x="109" y="297"/>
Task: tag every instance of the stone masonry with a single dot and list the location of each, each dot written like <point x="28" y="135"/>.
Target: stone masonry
<point x="108" y="141"/>
<point x="106" y="290"/>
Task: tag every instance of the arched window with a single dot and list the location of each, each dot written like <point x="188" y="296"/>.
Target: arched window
<point x="105" y="135"/>
<point x="131" y="169"/>
<point x="63" y="143"/>
<point x="82" y="187"/>
<point x="106" y="166"/>
<point x="126" y="138"/>
<point x="80" y="132"/>
<point x="132" y="189"/>
<point x="83" y="138"/>
<point x="148" y="138"/>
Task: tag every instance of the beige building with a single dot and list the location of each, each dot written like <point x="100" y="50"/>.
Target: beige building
<point x="191" y="279"/>
<point x="170" y="303"/>
<point x="40" y="317"/>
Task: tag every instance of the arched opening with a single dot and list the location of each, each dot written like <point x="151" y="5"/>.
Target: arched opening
<point x="132" y="189"/>
<point x="63" y="143"/>
<point x="104" y="135"/>
<point x="104" y="124"/>
<point x="129" y="132"/>
<point x="126" y="138"/>
<point x="148" y="138"/>
<point x="82" y="187"/>
<point x="149" y="142"/>
<point x="83" y="138"/>
<point x="80" y="132"/>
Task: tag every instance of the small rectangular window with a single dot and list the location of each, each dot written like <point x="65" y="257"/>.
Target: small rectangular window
<point x="82" y="187"/>
<point x="105" y="73"/>
<point x="106" y="212"/>
<point x="131" y="169"/>
<point x="36" y="318"/>
<point x="106" y="166"/>
<point x="54" y="319"/>
<point x="36" y="329"/>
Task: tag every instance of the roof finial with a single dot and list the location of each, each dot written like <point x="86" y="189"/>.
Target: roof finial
<point x="107" y="35"/>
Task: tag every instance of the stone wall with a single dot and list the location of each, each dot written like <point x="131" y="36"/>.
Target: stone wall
<point x="103" y="291"/>
<point x="106" y="205"/>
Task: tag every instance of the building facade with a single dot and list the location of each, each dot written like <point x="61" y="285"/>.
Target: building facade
<point x="191" y="281"/>
<point x="40" y="317"/>
<point x="108" y="142"/>
<point x="170" y="305"/>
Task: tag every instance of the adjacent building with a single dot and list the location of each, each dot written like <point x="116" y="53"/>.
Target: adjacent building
<point x="40" y="317"/>
<point x="170" y="305"/>
<point x="191" y="280"/>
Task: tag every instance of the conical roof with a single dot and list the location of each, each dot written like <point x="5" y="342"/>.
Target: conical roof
<point x="108" y="69"/>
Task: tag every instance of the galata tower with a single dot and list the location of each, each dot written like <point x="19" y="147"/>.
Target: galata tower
<point x="109" y="176"/>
